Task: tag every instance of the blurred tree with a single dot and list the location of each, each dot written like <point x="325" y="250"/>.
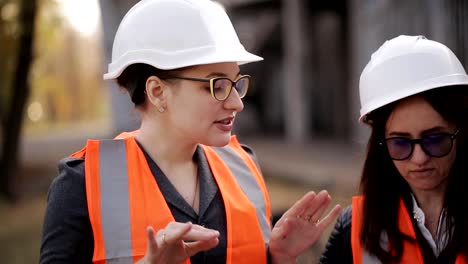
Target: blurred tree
<point x="8" y="40"/>
<point x="13" y="109"/>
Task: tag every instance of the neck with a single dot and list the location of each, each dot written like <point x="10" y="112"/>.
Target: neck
<point x="431" y="203"/>
<point x="174" y="157"/>
<point x="163" y="147"/>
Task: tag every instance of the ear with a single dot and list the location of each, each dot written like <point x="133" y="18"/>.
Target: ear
<point x="155" y="91"/>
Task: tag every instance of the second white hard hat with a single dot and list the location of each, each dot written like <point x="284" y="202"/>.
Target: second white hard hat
<point x="405" y="66"/>
<point x="171" y="34"/>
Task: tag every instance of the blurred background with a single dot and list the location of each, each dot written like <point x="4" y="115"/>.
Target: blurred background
<point x="300" y="115"/>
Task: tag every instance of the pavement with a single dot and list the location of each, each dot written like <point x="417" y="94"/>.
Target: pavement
<point x="322" y="164"/>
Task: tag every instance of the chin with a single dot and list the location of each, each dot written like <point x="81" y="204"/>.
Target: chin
<point x="218" y="141"/>
<point x="427" y="186"/>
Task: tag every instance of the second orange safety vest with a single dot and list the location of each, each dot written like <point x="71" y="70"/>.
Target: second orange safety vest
<point x="124" y="198"/>
<point x="411" y="251"/>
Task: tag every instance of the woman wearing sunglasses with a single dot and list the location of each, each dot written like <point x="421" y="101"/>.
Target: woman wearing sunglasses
<point x="413" y="206"/>
<point x="180" y="189"/>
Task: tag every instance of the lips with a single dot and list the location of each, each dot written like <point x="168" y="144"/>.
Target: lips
<point x="225" y="124"/>
<point x="225" y="121"/>
<point x="422" y="172"/>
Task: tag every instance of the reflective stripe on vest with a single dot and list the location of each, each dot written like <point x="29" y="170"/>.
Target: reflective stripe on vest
<point x="114" y="190"/>
<point x="249" y="185"/>
<point x="411" y="251"/>
<point x="123" y="199"/>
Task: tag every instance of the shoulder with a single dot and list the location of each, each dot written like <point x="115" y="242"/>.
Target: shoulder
<point x="249" y="150"/>
<point x="67" y="192"/>
<point x="251" y="153"/>
<point x="235" y="142"/>
<point x="344" y="220"/>
<point x="338" y="248"/>
<point x="342" y="229"/>
<point x="71" y="165"/>
<point x="66" y="232"/>
<point x="70" y="179"/>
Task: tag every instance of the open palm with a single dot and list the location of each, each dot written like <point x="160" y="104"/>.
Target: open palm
<point x="300" y="226"/>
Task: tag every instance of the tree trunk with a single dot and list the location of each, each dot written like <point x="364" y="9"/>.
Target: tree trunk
<point x="11" y="126"/>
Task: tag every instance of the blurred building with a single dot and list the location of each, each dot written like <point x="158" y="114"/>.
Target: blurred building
<point x="314" y="52"/>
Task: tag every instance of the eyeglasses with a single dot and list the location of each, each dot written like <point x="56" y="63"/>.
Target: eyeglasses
<point x="434" y="145"/>
<point x="221" y="87"/>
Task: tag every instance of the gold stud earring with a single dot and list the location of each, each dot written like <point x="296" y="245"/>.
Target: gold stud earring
<point x="161" y="109"/>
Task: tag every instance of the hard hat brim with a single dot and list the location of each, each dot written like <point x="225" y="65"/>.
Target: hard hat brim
<point x="443" y="81"/>
<point x="175" y="62"/>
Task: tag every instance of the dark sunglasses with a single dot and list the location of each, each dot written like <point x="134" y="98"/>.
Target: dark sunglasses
<point x="221" y="87"/>
<point x="434" y="145"/>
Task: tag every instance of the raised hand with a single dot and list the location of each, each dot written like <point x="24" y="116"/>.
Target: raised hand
<point x="301" y="226"/>
<point x="177" y="242"/>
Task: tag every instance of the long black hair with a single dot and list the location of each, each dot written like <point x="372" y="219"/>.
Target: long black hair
<point x="382" y="186"/>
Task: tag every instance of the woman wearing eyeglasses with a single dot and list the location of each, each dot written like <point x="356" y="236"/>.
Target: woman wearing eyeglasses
<point x="412" y="207"/>
<point x="180" y="189"/>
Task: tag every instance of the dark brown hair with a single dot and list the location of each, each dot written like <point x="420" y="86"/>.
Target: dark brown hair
<point x="382" y="186"/>
<point x="133" y="79"/>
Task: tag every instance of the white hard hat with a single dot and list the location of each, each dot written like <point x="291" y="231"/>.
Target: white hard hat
<point x="171" y="34"/>
<point x="405" y="66"/>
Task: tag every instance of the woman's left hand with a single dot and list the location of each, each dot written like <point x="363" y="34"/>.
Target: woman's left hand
<point x="301" y="226"/>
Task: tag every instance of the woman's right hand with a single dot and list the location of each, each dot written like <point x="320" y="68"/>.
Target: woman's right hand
<point x="177" y="242"/>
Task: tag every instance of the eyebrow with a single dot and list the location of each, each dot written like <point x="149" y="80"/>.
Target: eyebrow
<point x="219" y="74"/>
<point x="424" y="132"/>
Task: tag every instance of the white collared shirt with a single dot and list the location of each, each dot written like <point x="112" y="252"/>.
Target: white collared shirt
<point x="440" y="241"/>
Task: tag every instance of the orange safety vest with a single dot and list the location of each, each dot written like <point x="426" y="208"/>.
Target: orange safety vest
<point x="411" y="251"/>
<point x="124" y="198"/>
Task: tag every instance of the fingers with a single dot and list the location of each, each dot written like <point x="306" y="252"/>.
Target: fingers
<point x="318" y="206"/>
<point x="199" y="239"/>
<point x="179" y="232"/>
<point x="152" y="244"/>
<point x="152" y="247"/>
<point x="309" y="208"/>
<point x="298" y="229"/>
<point x="200" y="233"/>
<point x="202" y="245"/>
<point x="301" y="205"/>
<point x="330" y="218"/>
<point x="179" y="241"/>
<point x="280" y="231"/>
<point x="202" y="229"/>
<point x="172" y="233"/>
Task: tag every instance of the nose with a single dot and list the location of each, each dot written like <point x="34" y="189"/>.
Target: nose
<point x="419" y="156"/>
<point x="234" y="102"/>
